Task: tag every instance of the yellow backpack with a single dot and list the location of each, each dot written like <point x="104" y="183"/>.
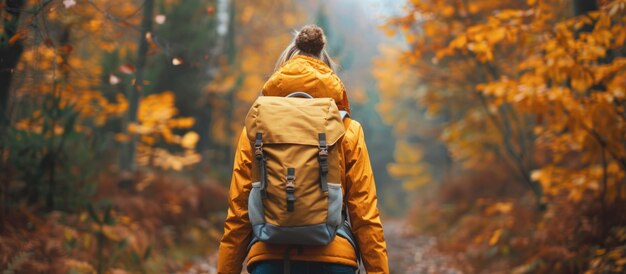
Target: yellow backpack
<point x="296" y="196"/>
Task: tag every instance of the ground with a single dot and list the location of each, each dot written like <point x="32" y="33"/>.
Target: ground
<point x="408" y="253"/>
<point x="414" y="254"/>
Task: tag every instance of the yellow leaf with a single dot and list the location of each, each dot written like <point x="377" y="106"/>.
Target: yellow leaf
<point x="147" y="139"/>
<point x="459" y="42"/>
<point x="78" y="266"/>
<point x="415" y="183"/>
<point x="496" y="35"/>
<point x="121" y="137"/>
<point x="473" y="8"/>
<point x="448" y="11"/>
<point x="495" y="237"/>
<point x="69" y="233"/>
<point x="111" y="234"/>
<point x="615" y="254"/>
<point x="499" y="208"/>
<point x="189" y="140"/>
<point x="185" y="122"/>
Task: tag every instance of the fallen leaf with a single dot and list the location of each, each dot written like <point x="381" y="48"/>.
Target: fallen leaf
<point x="495" y="237"/>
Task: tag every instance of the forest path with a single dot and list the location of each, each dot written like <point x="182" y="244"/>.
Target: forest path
<point x="409" y="253"/>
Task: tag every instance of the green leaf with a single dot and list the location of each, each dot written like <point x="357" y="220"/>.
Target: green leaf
<point x="122" y="244"/>
<point x="108" y="219"/>
<point x="90" y="189"/>
<point x="135" y="258"/>
<point x="93" y="215"/>
<point x="69" y="125"/>
<point x="146" y="254"/>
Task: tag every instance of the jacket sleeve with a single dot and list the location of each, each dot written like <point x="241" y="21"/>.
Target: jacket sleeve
<point x="362" y="207"/>
<point x="237" y="229"/>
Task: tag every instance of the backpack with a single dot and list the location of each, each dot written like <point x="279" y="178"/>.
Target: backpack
<point x="296" y="196"/>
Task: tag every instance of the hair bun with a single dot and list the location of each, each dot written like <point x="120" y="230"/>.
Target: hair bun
<point x="311" y="39"/>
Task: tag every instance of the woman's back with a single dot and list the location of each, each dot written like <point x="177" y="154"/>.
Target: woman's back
<point x="300" y="73"/>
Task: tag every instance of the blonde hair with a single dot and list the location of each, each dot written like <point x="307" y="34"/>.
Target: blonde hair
<point x="292" y="50"/>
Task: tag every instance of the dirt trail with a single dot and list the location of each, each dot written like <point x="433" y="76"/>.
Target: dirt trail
<point x="408" y="254"/>
<point x="414" y="254"/>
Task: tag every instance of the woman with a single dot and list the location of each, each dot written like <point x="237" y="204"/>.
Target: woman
<point x="306" y="66"/>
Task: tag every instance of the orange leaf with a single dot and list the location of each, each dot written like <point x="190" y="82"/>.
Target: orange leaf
<point x="66" y="49"/>
<point x="495" y="237"/>
<point x="19" y="35"/>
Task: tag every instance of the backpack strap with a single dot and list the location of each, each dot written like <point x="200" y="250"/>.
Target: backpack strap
<point x="345" y="231"/>
<point x="258" y="154"/>
<point x="300" y="94"/>
<point x="323" y="159"/>
<point x="287" y="260"/>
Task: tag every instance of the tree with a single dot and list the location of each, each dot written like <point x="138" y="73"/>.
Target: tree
<point x="134" y="94"/>
<point x="536" y="86"/>
<point x="11" y="49"/>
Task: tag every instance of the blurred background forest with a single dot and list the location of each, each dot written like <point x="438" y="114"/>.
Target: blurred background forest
<point x="497" y="129"/>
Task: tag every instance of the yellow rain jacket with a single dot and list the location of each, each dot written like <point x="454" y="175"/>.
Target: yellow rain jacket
<point x="312" y="76"/>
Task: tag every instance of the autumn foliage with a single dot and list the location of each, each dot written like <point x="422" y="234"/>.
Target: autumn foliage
<point x="118" y="120"/>
<point x="117" y="125"/>
<point x="526" y="100"/>
<point x="72" y="201"/>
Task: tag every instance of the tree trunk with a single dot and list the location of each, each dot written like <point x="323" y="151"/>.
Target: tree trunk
<point x="9" y="55"/>
<point x="584" y="6"/>
<point x="127" y="161"/>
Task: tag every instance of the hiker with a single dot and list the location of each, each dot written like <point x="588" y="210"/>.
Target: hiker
<point x="290" y="181"/>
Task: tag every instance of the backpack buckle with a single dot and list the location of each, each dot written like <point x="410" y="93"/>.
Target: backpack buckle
<point x="258" y="146"/>
<point x="258" y="152"/>
<point x="290" y="188"/>
<point x="323" y="156"/>
<point x="323" y="152"/>
<point x="323" y="159"/>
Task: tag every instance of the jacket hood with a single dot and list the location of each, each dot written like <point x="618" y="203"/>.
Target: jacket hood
<point x="310" y="75"/>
